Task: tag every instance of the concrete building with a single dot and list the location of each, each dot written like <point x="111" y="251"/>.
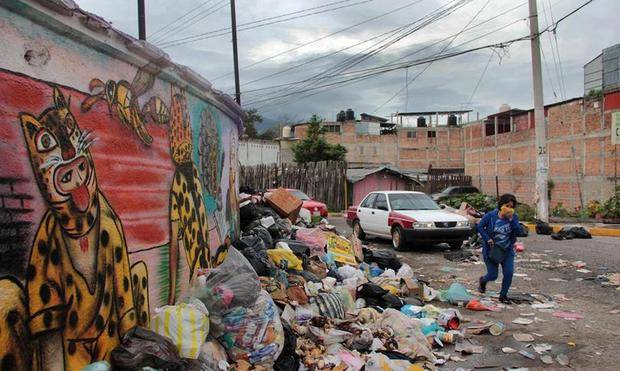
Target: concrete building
<point x="259" y="152"/>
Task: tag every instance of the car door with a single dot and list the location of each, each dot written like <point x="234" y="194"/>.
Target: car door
<point x="379" y="216"/>
<point x="364" y="211"/>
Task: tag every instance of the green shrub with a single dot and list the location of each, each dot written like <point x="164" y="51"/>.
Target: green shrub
<point x="611" y="207"/>
<point x="478" y="201"/>
<point x="560" y="211"/>
<point x="525" y="212"/>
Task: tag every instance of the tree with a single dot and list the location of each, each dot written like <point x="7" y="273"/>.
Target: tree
<point x="269" y="134"/>
<point x="251" y="117"/>
<point x="315" y="148"/>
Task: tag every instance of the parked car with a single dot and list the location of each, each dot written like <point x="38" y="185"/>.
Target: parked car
<point x="453" y="191"/>
<point x="406" y="218"/>
<point x="308" y="203"/>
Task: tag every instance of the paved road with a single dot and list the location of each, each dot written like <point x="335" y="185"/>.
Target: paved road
<point x="547" y="268"/>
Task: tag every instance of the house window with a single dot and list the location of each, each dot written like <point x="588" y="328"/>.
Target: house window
<point x="411" y="134"/>
<point x="332" y="128"/>
<point x="431" y="134"/>
<point x="503" y="125"/>
<point x="489" y="128"/>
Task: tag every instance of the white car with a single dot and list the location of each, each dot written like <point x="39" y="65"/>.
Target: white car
<point x="405" y="218"/>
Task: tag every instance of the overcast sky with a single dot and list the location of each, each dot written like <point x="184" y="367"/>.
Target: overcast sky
<point x="445" y="84"/>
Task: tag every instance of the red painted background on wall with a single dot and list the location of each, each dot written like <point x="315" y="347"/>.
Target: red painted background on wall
<point x="126" y="169"/>
<point x="381" y="181"/>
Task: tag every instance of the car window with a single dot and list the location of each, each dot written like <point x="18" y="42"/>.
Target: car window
<point x="381" y="202"/>
<point x="299" y="194"/>
<point x="369" y="201"/>
<point x="448" y="190"/>
<point x="412" y="201"/>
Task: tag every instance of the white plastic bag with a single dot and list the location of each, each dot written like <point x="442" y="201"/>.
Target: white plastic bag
<point x="187" y="325"/>
<point x="405" y="271"/>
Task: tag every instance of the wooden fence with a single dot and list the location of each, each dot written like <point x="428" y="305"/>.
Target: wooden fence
<point x="438" y="182"/>
<point x="323" y="181"/>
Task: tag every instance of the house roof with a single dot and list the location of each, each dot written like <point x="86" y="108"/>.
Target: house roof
<point x="354" y="175"/>
<point x="426" y="113"/>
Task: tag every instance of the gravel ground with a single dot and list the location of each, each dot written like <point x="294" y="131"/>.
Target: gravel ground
<point x="591" y="343"/>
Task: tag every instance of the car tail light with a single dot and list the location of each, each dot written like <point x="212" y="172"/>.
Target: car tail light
<point x="397" y="218"/>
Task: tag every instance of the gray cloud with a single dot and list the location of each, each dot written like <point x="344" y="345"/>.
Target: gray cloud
<point x="446" y="84"/>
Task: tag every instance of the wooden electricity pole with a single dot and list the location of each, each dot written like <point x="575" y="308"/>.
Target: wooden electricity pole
<point x="233" y="20"/>
<point x="141" y="20"/>
<point x="542" y="158"/>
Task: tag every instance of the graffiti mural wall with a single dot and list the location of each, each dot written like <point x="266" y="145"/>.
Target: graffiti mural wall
<point x="116" y="186"/>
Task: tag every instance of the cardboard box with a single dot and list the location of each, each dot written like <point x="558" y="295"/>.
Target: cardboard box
<point x="285" y="204"/>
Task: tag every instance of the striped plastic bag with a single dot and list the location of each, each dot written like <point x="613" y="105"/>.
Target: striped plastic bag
<point x="187" y="325"/>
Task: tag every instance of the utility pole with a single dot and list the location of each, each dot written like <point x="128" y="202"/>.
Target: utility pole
<point x="542" y="159"/>
<point x="233" y="20"/>
<point x="141" y="21"/>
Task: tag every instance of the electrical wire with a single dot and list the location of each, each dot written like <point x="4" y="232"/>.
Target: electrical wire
<point x="319" y="39"/>
<point x="192" y="21"/>
<point x="226" y="31"/>
<point x="431" y="63"/>
<point x="378" y="71"/>
<point x="479" y="80"/>
<point x="159" y="30"/>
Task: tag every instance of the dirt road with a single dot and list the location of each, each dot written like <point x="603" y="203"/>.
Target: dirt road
<point x="546" y="267"/>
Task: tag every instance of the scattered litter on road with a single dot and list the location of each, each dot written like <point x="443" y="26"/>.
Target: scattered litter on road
<point x="615" y="311"/>
<point x="542" y="348"/>
<point x="509" y="350"/>
<point x="547" y="359"/>
<point x="543" y="305"/>
<point x="562" y="359"/>
<point x="555" y="279"/>
<point x="569" y="316"/>
<point x="584" y="270"/>
<point x="527" y="354"/>
<point x="524" y="338"/>
<point x="522" y="321"/>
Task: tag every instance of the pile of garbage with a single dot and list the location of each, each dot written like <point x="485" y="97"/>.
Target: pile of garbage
<point x="291" y="295"/>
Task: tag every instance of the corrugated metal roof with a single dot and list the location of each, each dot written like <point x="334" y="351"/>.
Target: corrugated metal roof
<point x="354" y="175"/>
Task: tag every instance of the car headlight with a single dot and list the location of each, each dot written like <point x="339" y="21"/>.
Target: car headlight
<point x="423" y="225"/>
<point x="463" y="224"/>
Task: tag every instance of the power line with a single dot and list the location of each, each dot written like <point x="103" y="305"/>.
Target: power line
<point x="431" y="63"/>
<point x="388" y="67"/>
<point x="323" y="75"/>
<point x="320" y="38"/>
<point x="193" y="20"/>
<point x="479" y="80"/>
<point x="360" y="57"/>
<point x="377" y="71"/>
<point x="159" y="30"/>
<point x="226" y="31"/>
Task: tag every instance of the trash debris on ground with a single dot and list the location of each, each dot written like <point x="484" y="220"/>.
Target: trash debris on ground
<point x="293" y="293"/>
<point x="569" y="316"/>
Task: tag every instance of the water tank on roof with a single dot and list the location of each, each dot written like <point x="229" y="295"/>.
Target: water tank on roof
<point x="504" y="107"/>
<point x="286" y="132"/>
<point x="421" y="121"/>
<point x="350" y="116"/>
<point x="341" y="116"/>
<point x="452" y="121"/>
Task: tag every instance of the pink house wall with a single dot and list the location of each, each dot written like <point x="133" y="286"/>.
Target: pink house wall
<point x="376" y="182"/>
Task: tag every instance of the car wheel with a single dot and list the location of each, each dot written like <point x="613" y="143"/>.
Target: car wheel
<point x="357" y="229"/>
<point x="456" y="245"/>
<point x="397" y="238"/>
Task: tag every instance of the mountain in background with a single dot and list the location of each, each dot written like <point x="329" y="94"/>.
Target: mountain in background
<point x="267" y="124"/>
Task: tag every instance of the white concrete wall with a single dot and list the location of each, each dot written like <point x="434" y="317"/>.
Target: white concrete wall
<point x="258" y="152"/>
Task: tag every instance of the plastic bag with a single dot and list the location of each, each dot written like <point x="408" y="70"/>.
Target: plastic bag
<point x="408" y="334"/>
<point x="317" y="267"/>
<point x="384" y="258"/>
<point x="141" y="347"/>
<point x="314" y="238"/>
<point x="405" y="271"/>
<point x="381" y="362"/>
<point x="285" y="259"/>
<point x="288" y="359"/>
<point x="259" y="260"/>
<point x="233" y="283"/>
<point x="543" y="228"/>
<point x="213" y="357"/>
<point x="457" y="293"/>
<point x="187" y="325"/>
<point x="98" y="366"/>
<point x="328" y="336"/>
<point x="329" y="305"/>
<point x="253" y="333"/>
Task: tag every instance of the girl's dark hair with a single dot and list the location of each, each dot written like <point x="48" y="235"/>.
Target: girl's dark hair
<point x="506" y="198"/>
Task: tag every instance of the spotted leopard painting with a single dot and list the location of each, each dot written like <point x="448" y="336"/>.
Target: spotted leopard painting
<point x="100" y="204"/>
